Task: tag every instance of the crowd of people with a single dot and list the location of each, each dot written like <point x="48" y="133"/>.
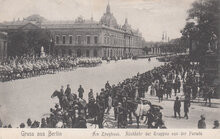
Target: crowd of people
<point x="128" y="99"/>
<point x="24" y="67"/>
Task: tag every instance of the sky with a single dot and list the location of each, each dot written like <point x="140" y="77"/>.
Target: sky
<point x="151" y="17"/>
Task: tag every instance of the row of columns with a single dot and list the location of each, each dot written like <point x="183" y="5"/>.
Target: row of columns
<point x="155" y="50"/>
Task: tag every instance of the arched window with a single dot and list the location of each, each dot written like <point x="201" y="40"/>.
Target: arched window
<point x="70" y="39"/>
<point x="57" y="39"/>
<point x="79" y="39"/>
<point x="64" y="39"/>
<point x="88" y="39"/>
<point x="95" y="39"/>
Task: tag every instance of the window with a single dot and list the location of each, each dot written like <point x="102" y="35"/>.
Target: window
<point x="95" y="39"/>
<point x="88" y="39"/>
<point x="70" y="39"/>
<point x="79" y="39"/>
<point x="104" y="52"/>
<point x="57" y="40"/>
<point x="64" y="39"/>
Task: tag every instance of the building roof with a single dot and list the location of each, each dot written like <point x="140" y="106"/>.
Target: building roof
<point x="108" y="19"/>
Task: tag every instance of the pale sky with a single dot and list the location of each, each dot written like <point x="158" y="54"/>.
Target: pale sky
<point x="152" y="17"/>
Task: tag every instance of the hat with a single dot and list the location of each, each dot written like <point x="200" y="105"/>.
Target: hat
<point x="216" y="122"/>
<point x="56" y="106"/>
<point x="22" y="125"/>
<point x="202" y="116"/>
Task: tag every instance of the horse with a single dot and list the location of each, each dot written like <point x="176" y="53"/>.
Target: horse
<point x="60" y="97"/>
<point x="138" y="110"/>
<point x="141" y="109"/>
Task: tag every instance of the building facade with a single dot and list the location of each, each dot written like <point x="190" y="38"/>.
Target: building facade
<point x="3" y="45"/>
<point x="87" y="38"/>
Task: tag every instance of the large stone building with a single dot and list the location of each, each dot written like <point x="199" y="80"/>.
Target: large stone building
<point x="87" y="38"/>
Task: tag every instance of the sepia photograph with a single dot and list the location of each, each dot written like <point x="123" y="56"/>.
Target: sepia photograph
<point x="109" y="64"/>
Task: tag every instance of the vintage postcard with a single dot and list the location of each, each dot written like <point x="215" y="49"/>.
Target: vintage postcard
<point x="109" y="68"/>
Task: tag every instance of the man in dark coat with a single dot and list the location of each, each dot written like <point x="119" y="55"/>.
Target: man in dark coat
<point x="62" y="90"/>
<point x="121" y="115"/>
<point x="178" y="85"/>
<point x="68" y="90"/>
<point x="81" y="91"/>
<point x="177" y="105"/>
<point x="160" y="93"/>
<point x="186" y="107"/>
<point x="101" y="110"/>
<point x="216" y="124"/>
<point x="107" y="85"/>
<point x="90" y="95"/>
<point x="201" y="123"/>
<point x="43" y="123"/>
<point x="175" y="87"/>
<point x="168" y="88"/>
<point x="115" y="105"/>
<point x="209" y="96"/>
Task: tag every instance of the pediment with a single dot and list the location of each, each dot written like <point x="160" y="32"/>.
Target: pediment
<point x="29" y="26"/>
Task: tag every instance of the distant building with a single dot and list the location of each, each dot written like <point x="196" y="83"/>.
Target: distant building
<point x="87" y="38"/>
<point x="3" y="45"/>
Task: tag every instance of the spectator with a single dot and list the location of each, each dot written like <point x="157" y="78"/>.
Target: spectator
<point x="216" y="124"/>
<point x="177" y="105"/>
<point x="201" y="123"/>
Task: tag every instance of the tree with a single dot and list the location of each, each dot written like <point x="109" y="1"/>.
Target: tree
<point x="28" y="42"/>
<point x="202" y="24"/>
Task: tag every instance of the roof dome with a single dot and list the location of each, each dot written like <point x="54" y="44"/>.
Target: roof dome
<point x="36" y="18"/>
<point x="108" y="19"/>
<point x="126" y="27"/>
